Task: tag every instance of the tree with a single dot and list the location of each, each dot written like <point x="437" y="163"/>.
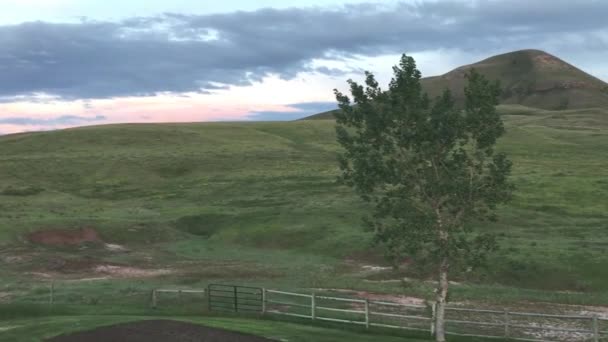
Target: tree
<point x="427" y="168"/>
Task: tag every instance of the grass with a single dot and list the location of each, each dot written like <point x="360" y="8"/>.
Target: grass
<point x="34" y="330"/>
<point x="257" y="203"/>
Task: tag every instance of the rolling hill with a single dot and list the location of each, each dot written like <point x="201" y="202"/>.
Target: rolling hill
<point x="532" y="78"/>
<point x="257" y="203"/>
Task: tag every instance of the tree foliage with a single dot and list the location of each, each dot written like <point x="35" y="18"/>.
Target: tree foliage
<point x="427" y="167"/>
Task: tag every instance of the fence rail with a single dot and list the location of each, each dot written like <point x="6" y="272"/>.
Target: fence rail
<point x="506" y="324"/>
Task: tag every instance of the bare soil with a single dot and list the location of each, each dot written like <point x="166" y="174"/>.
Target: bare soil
<point x="546" y="60"/>
<point x="158" y="331"/>
<point x="129" y="272"/>
<point x="64" y="237"/>
<point x="90" y="268"/>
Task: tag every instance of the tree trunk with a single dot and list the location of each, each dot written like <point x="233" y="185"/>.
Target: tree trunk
<point x="442" y="286"/>
<point x="442" y="293"/>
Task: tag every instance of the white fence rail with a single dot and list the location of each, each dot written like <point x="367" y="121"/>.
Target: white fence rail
<point x="523" y="326"/>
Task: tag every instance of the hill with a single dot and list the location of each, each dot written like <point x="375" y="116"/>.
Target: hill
<point x="257" y="203"/>
<point x="329" y="115"/>
<point x="531" y="78"/>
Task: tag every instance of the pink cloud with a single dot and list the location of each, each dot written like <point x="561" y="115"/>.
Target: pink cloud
<point x="234" y="104"/>
<point x="124" y="110"/>
<point x="10" y="129"/>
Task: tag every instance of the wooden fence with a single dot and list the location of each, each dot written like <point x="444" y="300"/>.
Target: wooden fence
<point x="522" y="326"/>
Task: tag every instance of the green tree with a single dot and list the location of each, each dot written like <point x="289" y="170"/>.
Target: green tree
<point x="427" y="169"/>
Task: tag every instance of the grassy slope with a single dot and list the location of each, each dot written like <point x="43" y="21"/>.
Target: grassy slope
<point x="257" y="203"/>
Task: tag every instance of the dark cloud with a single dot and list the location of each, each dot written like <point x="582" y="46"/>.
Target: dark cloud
<point x="57" y="121"/>
<point x="301" y="110"/>
<point x="202" y="53"/>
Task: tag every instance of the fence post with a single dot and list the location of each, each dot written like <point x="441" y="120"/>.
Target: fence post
<point x="366" y="313"/>
<point x="263" y="301"/>
<point x="154" y="299"/>
<point x="52" y="293"/>
<point x="313" y="305"/>
<point x="596" y="332"/>
<point x="507" y="323"/>
<point x="433" y="308"/>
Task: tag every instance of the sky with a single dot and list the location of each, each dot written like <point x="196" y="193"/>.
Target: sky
<point x="66" y="63"/>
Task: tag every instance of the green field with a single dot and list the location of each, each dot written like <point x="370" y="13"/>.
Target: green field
<point x="34" y="330"/>
<point x="257" y="203"/>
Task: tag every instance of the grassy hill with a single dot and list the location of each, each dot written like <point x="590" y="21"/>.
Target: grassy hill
<point x="532" y="78"/>
<point x="257" y="203"/>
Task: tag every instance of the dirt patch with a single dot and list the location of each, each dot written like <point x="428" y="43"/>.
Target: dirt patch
<point x="12" y="259"/>
<point x="548" y="61"/>
<point x="112" y="247"/>
<point x="40" y="274"/>
<point x="72" y="265"/>
<point x="375" y="268"/>
<point x="572" y="84"/>
<point x="586" y="310"/>
<point x="5" y="297"/>
<point x="388" y="281"/>
<point x="405" y="300"/>
<point x="94" y="269"/>
<point x="158" y="331"/>
<point x="89" y="279"/>
<point x="379" y="297"/>
<point x="129" y="272"/>
<point x="64" y="237"/>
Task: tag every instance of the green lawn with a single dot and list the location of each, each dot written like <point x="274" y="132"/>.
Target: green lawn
<point x="34" y="330"/>
<point x="257" y="203"/>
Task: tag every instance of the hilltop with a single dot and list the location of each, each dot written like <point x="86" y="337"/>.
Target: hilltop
<point x="532" y="78"/>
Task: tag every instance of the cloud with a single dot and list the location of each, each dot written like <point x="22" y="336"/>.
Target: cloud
<point x="64" y="120"/>
<point x="295" y="111"/>
<point x="178" y="53"/>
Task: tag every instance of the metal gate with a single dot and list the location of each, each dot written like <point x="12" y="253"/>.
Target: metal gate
<point x="231" y="298"/>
